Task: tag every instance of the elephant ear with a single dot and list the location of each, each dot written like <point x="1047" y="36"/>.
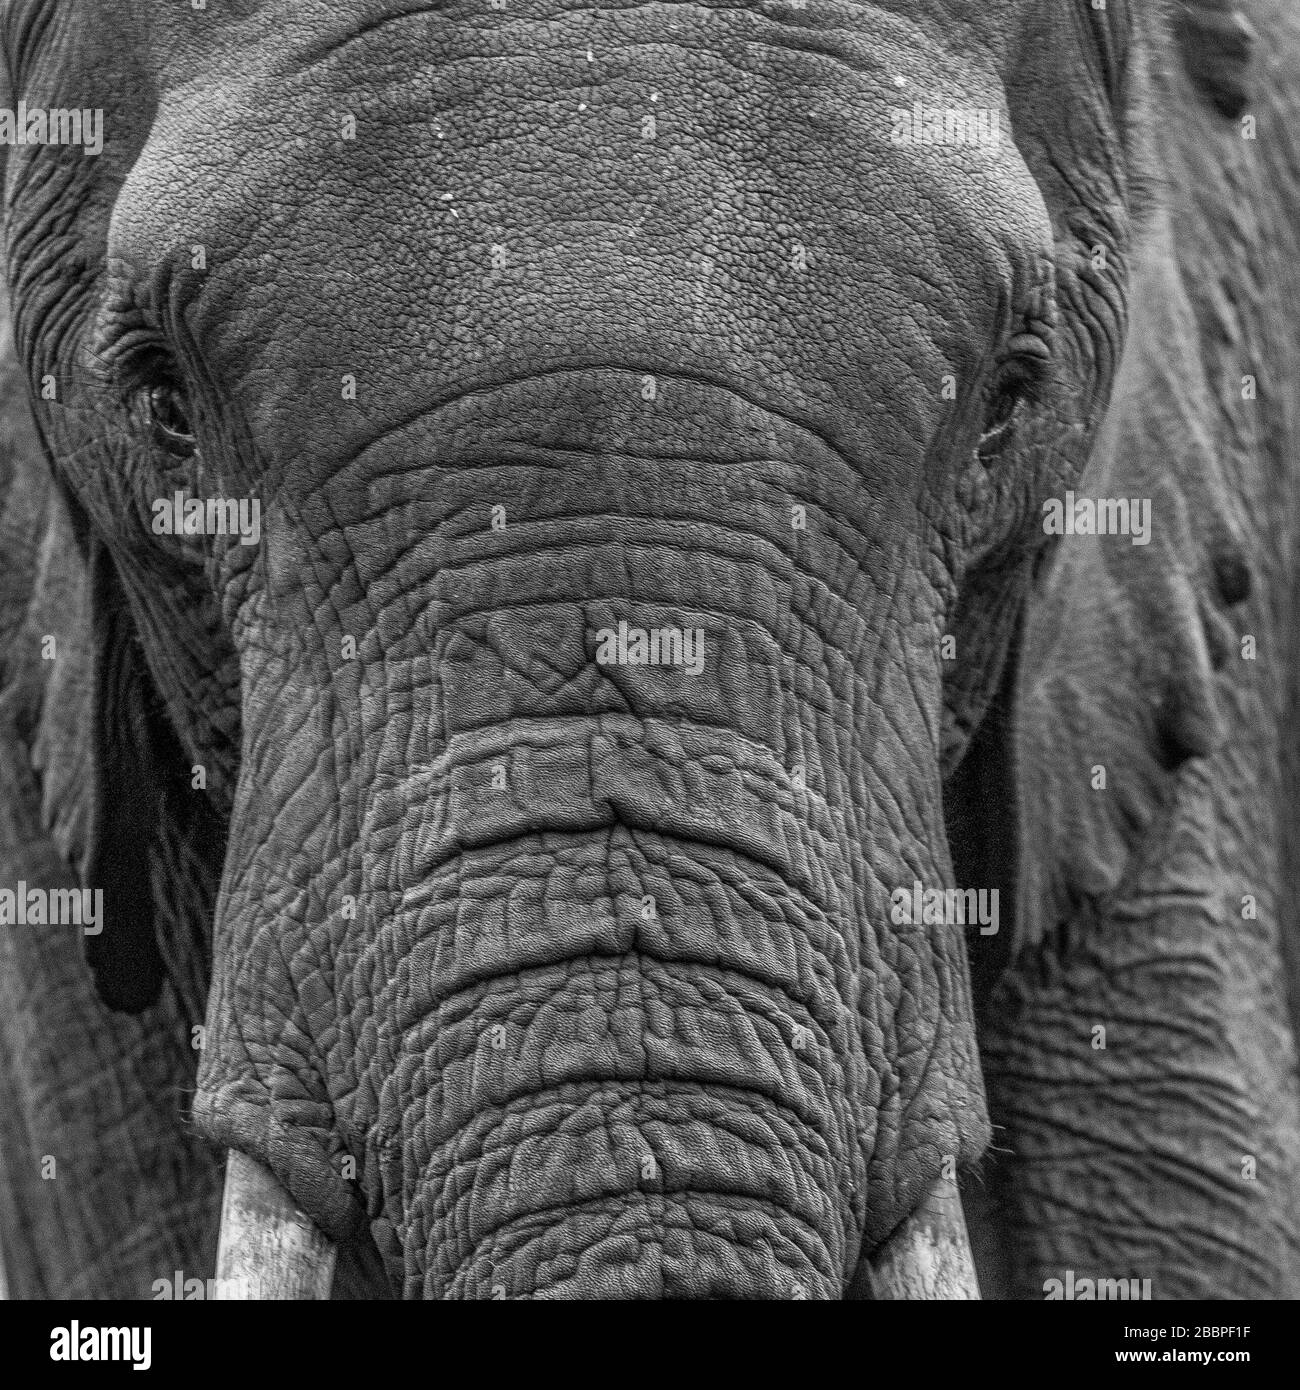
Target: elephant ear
<point x="130" y="747"/>
<point x="82" y="701"/>
<point x="1123" y="634"/>
<point x="1217" y="43"/>
<point x="115" y="800"/>
<point x="1114" y="680"/>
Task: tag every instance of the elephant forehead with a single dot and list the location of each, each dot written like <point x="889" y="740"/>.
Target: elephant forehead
<point x="670" y="187"/>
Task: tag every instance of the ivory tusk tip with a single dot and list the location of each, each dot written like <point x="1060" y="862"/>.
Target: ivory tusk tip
<point x="268" y="1249"/>
<point x="929" y="1255"/>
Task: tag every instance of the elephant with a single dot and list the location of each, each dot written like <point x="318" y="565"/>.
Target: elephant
<point x="662" y="644"/>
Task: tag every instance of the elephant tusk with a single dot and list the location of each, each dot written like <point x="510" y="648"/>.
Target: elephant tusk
<point x="268" y="1249"/>
<point x="929" y="1255"/>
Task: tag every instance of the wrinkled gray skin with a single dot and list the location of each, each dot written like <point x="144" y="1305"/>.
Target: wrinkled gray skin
<point x="533" y="976"/>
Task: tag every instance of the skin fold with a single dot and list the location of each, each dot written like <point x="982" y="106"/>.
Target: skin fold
<point x="529" y="974"/>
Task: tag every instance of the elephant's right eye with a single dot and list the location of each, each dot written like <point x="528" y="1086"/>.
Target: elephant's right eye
<point x="169" y="421"/>
<point x="131" y="351"/>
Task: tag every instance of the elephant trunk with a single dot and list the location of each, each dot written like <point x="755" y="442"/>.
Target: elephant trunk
<point x="629" y="1075"/>
<point x="626" y="774"/>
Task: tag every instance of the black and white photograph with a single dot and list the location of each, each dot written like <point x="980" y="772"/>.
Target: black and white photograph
<point x="650" y="650"/>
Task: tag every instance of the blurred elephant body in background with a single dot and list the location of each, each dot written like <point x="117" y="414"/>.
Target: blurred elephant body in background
<point x="526" y="967"/>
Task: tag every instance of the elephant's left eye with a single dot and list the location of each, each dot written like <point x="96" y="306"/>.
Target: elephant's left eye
<point x="1020" y="380"/>
<point x="170" y="422"/>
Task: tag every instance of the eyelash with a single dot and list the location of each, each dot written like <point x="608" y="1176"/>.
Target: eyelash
<point x="1021" y="380"/>
<point x="1028" y="375"/>
<point x="129" y="350"/>
<point x="140" y="366"/>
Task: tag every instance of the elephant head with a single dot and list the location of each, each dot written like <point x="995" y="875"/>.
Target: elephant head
<point x="556" y="492"/>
